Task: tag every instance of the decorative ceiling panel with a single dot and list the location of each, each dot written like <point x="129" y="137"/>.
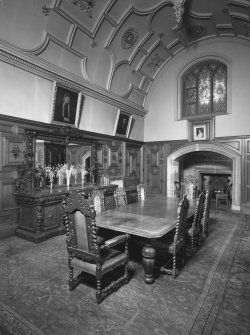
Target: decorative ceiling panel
<point x="99" y="67"/>
<point x="176" y="46"/>
<point x="137" y="96"/>
<point x="154" y="61"/>
<point x="121" y="80"/>
<point x="64" y="58"/>
<point x="146" y="85"/>
<point x="148" y="5"/>
<point x="59" y="27"/>
<point x="80" y="16"/>
<point x="127" y="38"/>
<point x="124" y="44"/>
<point x="196" y="28"/>
<point x="23" y="28"/>
<point x="104" y="32"/>
<point x="137" y="78"/>
<point x="138" y="59"/>
<point x="119" y="9"/>
<point x="82" y="43"/>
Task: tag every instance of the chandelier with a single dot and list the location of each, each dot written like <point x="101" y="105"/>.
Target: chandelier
<point x="179" y="8"/>
<point x="85" y="5"/>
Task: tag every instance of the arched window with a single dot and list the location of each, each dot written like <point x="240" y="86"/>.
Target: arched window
<point x="205" y="89"/>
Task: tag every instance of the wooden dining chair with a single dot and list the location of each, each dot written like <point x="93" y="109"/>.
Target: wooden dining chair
<point x="193" y="230"/>
<point x="174" y="243"/>
<point x="84" y="252"/>
<point x="205" y="216"/>
<point x="120" y="197"/>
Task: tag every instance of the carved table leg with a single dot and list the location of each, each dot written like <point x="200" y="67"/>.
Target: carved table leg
<point x="148" y="262"/>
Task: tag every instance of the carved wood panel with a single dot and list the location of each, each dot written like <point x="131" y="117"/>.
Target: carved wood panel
<point x="155" y="168"/>
<point x="132" y="166"/>
<point x="51" y="216"/>
<point x="114" y="159"/>
<point x="13" y="147"/>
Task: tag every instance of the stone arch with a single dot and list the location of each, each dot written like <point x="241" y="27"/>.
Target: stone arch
<point x="172" y="166"/>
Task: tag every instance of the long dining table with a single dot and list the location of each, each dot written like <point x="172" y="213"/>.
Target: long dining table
<point x="149" y="219"/>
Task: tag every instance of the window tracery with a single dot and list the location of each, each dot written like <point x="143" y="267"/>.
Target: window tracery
<point x="205" y="89"/>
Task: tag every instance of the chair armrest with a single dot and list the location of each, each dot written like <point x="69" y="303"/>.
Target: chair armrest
<point x="116" y="240"/>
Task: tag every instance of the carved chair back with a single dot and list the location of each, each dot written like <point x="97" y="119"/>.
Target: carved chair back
<point x="141" y="192"/>
<point x="205" y="216"/>
<point x="97" y="200"/>
<point x="180" y="229"/>
<point x="120" y="197"/>
<point x="81" y="230"/>
<point x="194" y="229"/>
<point x="198" y="211"/>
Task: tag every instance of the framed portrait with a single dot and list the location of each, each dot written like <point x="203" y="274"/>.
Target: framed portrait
<point x="122" y="124"/>
<point x="66" y="105"/>
<point x="200" y="132"/>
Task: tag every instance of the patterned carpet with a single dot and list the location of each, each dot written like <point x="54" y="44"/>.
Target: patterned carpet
<point x="210" y="296"/>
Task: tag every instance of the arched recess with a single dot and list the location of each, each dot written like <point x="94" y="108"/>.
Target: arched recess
<point x="173" y="167"/>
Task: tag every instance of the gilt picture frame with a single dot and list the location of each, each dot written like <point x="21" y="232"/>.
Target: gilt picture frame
<point x="200" y="132"/>
<point x="66" y="105"/>
<point x="122" y="124"/>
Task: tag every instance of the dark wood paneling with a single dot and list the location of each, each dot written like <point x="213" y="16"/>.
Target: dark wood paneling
<point x="132" y="166"/>
<point x="155" y="167"/>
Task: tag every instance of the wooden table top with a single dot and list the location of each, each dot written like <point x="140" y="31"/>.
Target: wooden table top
<point x="151" y="218"/>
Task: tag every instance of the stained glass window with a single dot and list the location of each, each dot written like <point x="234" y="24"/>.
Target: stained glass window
<point x="205" y="89"/>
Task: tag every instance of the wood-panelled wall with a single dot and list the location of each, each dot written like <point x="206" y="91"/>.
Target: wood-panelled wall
<point x="155" y="167"/>
<point x="13" y="147"/>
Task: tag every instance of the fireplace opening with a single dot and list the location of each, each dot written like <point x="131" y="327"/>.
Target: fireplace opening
<point x="215" y="182"/>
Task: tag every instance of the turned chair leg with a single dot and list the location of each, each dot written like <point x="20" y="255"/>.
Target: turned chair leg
<point x="98" y="291"/>
<point x="71" y="278"/>
<point x="183" y="256"/>
<point x="174" y="266"/>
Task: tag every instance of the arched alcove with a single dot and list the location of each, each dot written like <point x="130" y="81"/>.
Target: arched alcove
<point x="172" y="167"/>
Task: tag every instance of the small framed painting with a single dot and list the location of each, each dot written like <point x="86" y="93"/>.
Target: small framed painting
<point x="66" y="105"/>
<point x="200" y="132"/>
<point x="122" y="124"/>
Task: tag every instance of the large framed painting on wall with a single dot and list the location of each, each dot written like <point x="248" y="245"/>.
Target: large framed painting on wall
<point x="122" y="124"/>
<point x="66" y="105"/>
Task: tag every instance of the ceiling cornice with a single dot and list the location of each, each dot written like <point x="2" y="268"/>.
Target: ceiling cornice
<point x="33" y="64"/>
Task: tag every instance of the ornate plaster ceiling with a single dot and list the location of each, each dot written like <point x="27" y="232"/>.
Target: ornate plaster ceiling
<point x="125" y="44"/>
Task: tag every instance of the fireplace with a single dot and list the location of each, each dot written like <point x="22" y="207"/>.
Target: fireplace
<point x="215" y="182"/>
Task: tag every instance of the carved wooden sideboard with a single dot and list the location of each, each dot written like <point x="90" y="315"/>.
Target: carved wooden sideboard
<point x="40" y="214"/>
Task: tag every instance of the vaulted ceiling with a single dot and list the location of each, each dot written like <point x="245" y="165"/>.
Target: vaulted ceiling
<point x="124" y="45"/>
